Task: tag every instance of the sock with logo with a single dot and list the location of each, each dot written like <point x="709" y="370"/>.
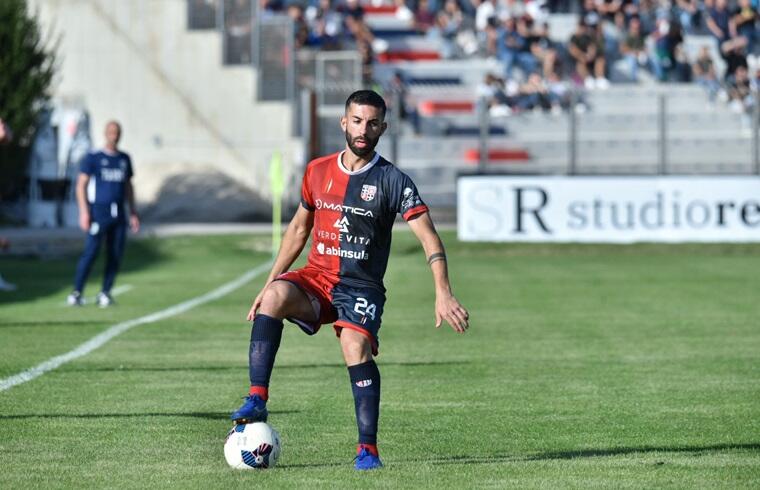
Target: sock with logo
<point x="365" y="385"/>
<point x="266" y="334"/>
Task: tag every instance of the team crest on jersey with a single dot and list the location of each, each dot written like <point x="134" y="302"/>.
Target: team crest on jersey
<point x="368" y="192"/>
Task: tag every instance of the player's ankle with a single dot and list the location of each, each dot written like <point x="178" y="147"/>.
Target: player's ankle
<point x="371" y="448"/>
<point x="261" y="391"/>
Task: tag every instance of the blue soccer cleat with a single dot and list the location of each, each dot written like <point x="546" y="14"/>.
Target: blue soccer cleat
<point x="253" y="410"/>
<point x="365" y="460"/>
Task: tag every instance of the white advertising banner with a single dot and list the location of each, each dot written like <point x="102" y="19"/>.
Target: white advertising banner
<point x="608" y="209"/>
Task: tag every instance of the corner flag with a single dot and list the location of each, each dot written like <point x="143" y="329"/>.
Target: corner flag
<point x="277" y="186"/>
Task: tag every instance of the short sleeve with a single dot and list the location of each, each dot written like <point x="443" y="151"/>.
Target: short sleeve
<point x="130" y="171"/>
<point x="86" y="165"/>
<point x="307" y="200"/>
<point x="405" y="198"/>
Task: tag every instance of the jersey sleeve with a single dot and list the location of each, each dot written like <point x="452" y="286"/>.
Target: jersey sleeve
<point x="404" y="197"/>
<point x="86" y="165"/>
<point x="307" y="200"/>
<point x="130" y="172"/>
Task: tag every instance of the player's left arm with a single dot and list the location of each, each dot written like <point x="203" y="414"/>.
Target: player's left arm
<point x="447" y="307"/>
<point x="134" y="219"/>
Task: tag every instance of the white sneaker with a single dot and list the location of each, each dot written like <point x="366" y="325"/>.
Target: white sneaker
<point x="75" y="299"/>
<point x="602" y="83"/>
<point x="104" y="300"/>
<point x="589" y="83"/>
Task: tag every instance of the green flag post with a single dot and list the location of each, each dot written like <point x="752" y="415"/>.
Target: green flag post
<point x="276" y="186"/>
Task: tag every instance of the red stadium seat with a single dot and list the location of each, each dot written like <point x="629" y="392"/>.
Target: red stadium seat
<point x="380" y="9"/>
<point x="392" y="56"/>
<point x="433" y="107"/>
<point x="505" y="155"/>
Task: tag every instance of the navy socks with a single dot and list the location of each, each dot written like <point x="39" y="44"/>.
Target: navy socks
<point x="266" y="334"/>
<point x="365" y="385"/>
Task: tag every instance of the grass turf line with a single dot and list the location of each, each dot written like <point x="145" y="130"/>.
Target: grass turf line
<point x="586" y="366"/>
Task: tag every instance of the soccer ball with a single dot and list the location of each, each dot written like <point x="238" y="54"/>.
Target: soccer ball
<point x="252" y="446"/>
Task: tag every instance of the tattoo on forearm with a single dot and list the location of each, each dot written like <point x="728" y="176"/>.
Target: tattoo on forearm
<point x="436" y="257"/>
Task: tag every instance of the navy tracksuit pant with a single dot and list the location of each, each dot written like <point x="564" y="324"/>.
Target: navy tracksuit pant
<point x="109" y="224"/>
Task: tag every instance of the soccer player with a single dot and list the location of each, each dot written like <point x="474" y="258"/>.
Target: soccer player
<point x="349" y="201"/>
<point x="103" y="185"/>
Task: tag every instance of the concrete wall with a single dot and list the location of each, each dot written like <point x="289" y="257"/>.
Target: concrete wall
<point x="200" y="143"/>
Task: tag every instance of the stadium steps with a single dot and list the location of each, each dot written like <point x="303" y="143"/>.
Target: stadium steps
<point x="185" y="114"/>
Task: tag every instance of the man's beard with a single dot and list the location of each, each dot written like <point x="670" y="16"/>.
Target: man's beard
<point x="359" y="151"/>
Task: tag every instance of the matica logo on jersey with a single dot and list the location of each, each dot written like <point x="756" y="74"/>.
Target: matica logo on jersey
<point x="320" y="204"/>
<point x="368" y="192"/>
<point x="344" y="254"/>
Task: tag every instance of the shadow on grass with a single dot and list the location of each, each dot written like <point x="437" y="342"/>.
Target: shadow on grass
<point x="243" y="367"/>
<point x="196" y="415"/>
<point x="38" y="278"/>
<point x="33" y="324"/>
<point x="552" y="455"/>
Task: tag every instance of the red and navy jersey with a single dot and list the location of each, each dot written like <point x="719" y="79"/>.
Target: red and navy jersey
<point x="109" y="174"/>
<point x="353" y="216"/>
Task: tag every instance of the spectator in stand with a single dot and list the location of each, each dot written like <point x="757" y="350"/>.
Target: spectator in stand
<point x="669" y="63"/>
<point x="543" y="49"/>
<point x="424" y="16"/>
<point x="717" y="21"/>
<point x="512" y="9"/>
<point x="740" y="91"/>
<point x="743" y="23"/>
<point x="704" y="73"/>
<point x="492" y="91"/>
<point x="272" y="6"/>
<point x="300" y="28"/>
<point x="559" y="93"/>
<point x="514" y="48"/>
<point x="367" y="59"/>
<point x="325" y="25"/>
<point x="687" y="13"/>
<point x="470" y="7"/>
<point x="634" y="49"/>
<point x="483" y="15"/>
<point x="734" y="53"/>
<point x="609" y="9"/>
<point x="448" y="23"/>
<point x="490" y="46"/>
<point x="588" y="54"/>
<point x="534" y="94"/>
<point x="353" y="9"/>
<point x="647" y="15"/>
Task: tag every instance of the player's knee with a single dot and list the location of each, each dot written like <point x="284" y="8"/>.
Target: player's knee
<point x="273" y="303"/>
<point x="356" y="347"/>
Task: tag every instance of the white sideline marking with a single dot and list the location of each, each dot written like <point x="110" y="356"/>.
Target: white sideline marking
<point x="122" y="327"/>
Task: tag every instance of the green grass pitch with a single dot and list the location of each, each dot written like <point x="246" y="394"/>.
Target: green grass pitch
<point x="586" y="366"/>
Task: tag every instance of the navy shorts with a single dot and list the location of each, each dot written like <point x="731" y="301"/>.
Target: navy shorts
<point x="359" y="309"/>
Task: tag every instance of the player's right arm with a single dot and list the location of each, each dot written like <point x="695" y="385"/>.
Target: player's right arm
<point x="84" y="211"/>
<point x="293" y="242"/>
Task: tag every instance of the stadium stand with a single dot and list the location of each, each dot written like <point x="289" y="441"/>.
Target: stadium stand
<point x="547" y="71"/>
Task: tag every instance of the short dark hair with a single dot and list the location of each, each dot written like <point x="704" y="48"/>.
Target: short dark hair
<point x="366" y="97"/>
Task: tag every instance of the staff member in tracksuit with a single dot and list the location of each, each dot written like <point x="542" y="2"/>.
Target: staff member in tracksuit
<point x="103" y="186"/>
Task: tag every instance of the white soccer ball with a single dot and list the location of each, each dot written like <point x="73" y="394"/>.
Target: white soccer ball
<point x="252" y="446"/>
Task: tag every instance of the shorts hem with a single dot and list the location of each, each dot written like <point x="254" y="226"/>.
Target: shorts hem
<point x="341" y="324"/>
